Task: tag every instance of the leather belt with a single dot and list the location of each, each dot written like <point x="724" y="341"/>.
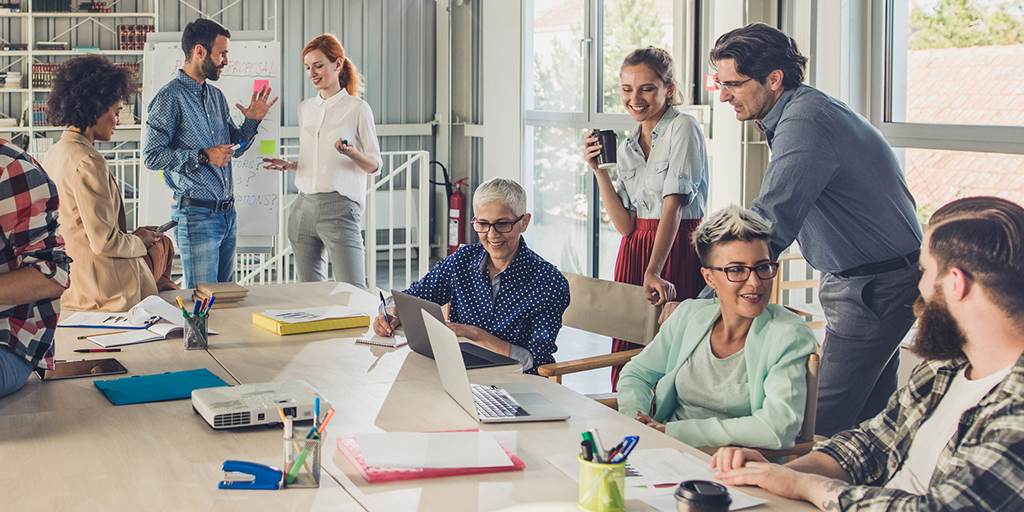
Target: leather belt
<point x="882" y="266"/>
<point x="221" y="206"/>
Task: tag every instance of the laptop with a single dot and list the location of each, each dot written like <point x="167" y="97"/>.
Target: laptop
<point x="409" y="308"/>
<point x="488" y="403"/>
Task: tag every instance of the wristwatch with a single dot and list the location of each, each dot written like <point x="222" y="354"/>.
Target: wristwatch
<point x="203" y="159"/>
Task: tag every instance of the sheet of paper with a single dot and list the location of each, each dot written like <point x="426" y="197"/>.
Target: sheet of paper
<point x="294" y="316"/>
<point x="661" y="467"/>
<point x="432" y="450"/>
<point x="156" y="306"/>
<point x="383" y="341"/>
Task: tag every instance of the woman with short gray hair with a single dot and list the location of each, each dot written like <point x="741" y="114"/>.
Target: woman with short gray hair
<point x="503" y="296"/>
<point x="731" y="370"/>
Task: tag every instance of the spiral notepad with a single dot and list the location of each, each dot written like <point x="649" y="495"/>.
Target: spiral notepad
<point x="381" y="341"/>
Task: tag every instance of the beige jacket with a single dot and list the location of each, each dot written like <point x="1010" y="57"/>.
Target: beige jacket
<point x="107" y="272"/>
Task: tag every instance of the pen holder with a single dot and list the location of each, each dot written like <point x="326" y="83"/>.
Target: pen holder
<point x="602" y="486"/>
<point x="302" y="460"/>
<point x="196" y="335"/>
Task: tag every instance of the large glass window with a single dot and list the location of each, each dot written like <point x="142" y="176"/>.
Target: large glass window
<point x="954" y="97"/>
<point x="575" y="48"/>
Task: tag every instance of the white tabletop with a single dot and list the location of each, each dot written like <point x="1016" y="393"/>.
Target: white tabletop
<point x="95" y="456"/>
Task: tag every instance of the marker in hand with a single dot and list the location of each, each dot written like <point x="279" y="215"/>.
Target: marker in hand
<point x="238" y="146"/>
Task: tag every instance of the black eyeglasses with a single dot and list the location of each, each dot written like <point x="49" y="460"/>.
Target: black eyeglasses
<point x="740" y="273"/>
<point x="730" y="86"/>
<point x="504" y="226"/>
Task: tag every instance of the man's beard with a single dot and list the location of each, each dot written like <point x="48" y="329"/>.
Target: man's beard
<point x="939" y="336"/>
<point x="210" y="70"/>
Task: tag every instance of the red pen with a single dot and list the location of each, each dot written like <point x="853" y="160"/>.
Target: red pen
<point x="90" y="350"/>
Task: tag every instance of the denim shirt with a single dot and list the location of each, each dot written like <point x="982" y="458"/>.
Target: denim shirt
<point x="526" y="311"/>
<point x="184" y="117"/>
<point x="676" y="164"/>
<point x="834" y="185"/>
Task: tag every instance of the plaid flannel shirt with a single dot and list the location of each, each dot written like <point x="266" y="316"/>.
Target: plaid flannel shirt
<point x="28" y="222"/>
<point x="980" y="468"/>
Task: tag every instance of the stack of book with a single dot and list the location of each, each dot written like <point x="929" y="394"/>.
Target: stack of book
<point x="42" y="73"/>
<point x="228" y="294"/>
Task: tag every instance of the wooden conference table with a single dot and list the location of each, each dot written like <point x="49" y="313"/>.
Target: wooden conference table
<point x="67" y="448"/>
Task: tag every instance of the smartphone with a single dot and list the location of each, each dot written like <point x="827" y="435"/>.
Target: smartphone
<point x="167" y="225"/>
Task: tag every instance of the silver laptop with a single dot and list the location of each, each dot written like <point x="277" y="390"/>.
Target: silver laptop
<point x="409" y="308"/>
<point x="488" y="403"/>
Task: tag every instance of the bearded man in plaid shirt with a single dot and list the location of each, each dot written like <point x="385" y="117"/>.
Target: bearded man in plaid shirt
<point x="33" y="268"/>
<point x="953" y="438"/>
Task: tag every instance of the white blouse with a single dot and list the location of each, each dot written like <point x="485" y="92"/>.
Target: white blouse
<point x="321" y="167"/>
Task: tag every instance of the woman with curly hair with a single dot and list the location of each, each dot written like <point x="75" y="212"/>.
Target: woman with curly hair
<point x="113" y="269"/>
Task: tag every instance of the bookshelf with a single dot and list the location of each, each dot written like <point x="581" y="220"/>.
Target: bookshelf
<point x="44" y="33"/>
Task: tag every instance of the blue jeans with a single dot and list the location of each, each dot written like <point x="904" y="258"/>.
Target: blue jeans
<point x="206" y="243"/>
<point x="14" y="371"/>
<point x="868" y="317"/>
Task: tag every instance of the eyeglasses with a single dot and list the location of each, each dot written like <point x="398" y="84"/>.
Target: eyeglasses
<point x="730" y="86"/>
<point x="740" y="273"/>
<point x="504" y="226"/>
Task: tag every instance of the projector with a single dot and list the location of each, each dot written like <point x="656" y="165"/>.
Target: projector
<point x="256" y="404"/>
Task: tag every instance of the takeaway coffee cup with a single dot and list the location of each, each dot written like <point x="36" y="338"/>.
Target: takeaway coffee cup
<point x="606" y="138"/>
<point x="702" y="496"/>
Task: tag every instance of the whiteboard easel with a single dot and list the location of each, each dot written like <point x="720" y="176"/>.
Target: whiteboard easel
<point x="253" y="59"/>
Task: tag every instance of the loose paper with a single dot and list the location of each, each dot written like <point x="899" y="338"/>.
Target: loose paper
<point x="294" y="316"/>
<point x="432" y="450"/>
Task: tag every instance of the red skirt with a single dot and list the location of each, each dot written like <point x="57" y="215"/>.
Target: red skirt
<point x="682" y="268"/>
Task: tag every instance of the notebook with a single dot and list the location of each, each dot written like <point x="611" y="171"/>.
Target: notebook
<point x="350" y="449"/>
<point x="409" y="308"/>
<point x="168" y="320"/>
<point x="524" y="401"/>
<point x="381" y="341"/>
<point x="155" y="388"/>
<point x="323" y="318"/>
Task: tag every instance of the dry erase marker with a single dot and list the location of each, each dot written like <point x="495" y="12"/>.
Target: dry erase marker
<point x="238" y="146"/>
<point x="90" y="350"/>
<point x="209" y="305"/>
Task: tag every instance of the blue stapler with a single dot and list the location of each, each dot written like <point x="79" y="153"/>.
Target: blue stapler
<point x="239" y="474"/>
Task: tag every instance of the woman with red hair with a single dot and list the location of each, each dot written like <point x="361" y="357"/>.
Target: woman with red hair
<point x="338" y="148"/>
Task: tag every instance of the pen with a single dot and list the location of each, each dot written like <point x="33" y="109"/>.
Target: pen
<point x="68" y="360"/>
<point x="598" y="446"/>
<point x="88" y="350"/>
<point x="100" y="334"/>
<point x="184" y="312"/>
<point x="327" y="418"/>
<point x="316" y="412"/>
<point x="384" y="307"/>
<point x="209" y="305"/>
<point x="195" y="309"/>
<point x="202" y="307"/>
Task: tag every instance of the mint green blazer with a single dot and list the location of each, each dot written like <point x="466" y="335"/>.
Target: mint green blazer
<point x="775" y="352"/>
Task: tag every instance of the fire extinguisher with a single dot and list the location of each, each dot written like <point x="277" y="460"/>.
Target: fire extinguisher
<point x="456" y="217"/>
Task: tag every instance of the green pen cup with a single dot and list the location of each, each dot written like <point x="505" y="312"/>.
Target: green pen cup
<point x="196" y="335"/>
<point x="302" y="459"/>
<point x="602" y="486"/>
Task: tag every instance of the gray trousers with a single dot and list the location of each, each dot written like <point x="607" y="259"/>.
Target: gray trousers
<point x="868" y="317"/>
<point x="331" y="222"/>
<point x="14" y="371"/>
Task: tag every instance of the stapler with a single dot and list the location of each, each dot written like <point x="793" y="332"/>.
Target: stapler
<point x="239" y="474"/>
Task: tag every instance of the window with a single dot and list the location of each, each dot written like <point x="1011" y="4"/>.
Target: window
<point x="952" y="95"/>
<point x="573" y="88"/>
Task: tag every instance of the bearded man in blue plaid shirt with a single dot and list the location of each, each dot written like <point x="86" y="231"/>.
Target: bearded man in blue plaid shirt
<point x="191" y="137"/>
<point x="953" y="438"/>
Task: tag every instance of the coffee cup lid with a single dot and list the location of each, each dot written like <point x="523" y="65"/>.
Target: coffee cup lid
<point x="703" y="493"/>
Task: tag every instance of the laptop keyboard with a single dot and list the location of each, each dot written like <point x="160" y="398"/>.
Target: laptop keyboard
<point x="492" y="402"/>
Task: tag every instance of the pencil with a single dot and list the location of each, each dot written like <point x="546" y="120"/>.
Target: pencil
<point x="100" y="334"/>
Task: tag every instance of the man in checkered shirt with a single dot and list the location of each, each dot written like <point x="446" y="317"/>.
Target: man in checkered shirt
<point x="953" y="438"/>
<point x="33" y="268"/>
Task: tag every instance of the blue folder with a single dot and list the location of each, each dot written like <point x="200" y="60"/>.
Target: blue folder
<point x="155" y="388"/>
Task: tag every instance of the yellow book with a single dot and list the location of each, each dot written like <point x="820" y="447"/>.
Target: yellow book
<point x="283" y="328"/>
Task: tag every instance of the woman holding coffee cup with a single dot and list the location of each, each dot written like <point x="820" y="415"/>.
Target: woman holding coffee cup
<point x="662" y="186"/>
<point x="338" y="144"/>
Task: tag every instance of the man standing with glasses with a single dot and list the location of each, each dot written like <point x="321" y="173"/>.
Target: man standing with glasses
<point x="503" y="296"/>
<point x="835" y="186"/>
